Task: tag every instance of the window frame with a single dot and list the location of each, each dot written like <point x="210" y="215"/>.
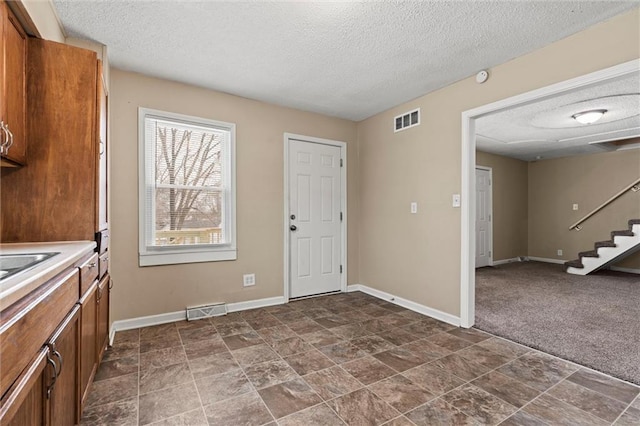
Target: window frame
<point x="168" y="255"/>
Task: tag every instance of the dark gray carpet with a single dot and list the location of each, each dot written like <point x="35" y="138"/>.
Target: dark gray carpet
<point x="593" y="320"/>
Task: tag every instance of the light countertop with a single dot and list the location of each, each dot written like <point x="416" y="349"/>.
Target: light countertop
<point x="19" y="285"/>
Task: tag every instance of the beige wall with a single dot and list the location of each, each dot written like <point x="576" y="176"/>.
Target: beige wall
<point x="260" y="160"/>
<point x="587" y="180"/>
<point x="509" y="192"/>
<point x="418" y="256"/>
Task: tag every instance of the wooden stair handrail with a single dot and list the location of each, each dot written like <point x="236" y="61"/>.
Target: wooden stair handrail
<point x="633" y="185"/>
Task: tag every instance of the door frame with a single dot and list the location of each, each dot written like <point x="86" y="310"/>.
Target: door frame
<point x="490" y="170"/>
<point x="468" y="164"/>
<point x="288" y="137"/>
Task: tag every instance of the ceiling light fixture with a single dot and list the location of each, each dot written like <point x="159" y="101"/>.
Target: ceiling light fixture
<point x="589" y="117"/>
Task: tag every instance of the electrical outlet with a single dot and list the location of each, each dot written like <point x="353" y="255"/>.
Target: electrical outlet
<point x="456" y="200"/>
<point x="575" y="207"/>
<point x="559" y="252"/>
<point x="248" y="280"/>
<point x="414" y="207"/>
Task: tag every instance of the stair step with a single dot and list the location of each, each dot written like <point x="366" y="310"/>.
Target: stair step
<point x="625" y="233"/>
<point x="590" y="253"/>
<point x="633" y="222"/>
<point x="607" y="243"/>
<point x="574" y="263"/>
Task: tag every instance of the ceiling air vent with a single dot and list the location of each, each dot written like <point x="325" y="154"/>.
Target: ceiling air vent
<point x="406" y="120"/>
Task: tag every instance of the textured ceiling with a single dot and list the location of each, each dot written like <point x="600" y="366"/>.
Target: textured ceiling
<point x="345" y="59"/>
<point x="546" y="129"/>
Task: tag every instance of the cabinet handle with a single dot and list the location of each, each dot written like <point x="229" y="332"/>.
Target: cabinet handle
<point x="54" y="378"/>
<point x="5" y="138"/>
<point x="59" y="356"/>
<point x="110" y="284"/>
<point x="10" y="144"/>
<point x="92" y="265"/>
<point x="101" y="148"/>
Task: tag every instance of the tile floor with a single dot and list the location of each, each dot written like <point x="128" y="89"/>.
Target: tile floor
<point x="343" y="359"/>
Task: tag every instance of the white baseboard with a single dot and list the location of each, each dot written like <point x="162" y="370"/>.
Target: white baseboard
<point x="112" y="335"/>
<point x="505" y="261"/>
<point x="421" y="309"/>
<point x="130" y="324"/>
<point x="168" y="317"/>
<point x="627" y="270"/>
<point x="253" y="304"/>
<point x="547" y="260"/>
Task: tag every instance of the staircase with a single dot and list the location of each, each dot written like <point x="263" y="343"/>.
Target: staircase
<point x="622" y="244"/>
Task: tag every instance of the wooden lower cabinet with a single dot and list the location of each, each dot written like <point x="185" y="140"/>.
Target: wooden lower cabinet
<point x="62" y="394"/>
<point x="24" y="403"/>
<point x="88" y="341"/>
<point x="104" y="300"/>
<point x="46" y="393"/>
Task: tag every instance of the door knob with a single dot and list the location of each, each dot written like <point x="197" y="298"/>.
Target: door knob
<point x="293" y="227"/>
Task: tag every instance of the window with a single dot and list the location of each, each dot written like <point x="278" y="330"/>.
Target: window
<point x="187" y="189"/>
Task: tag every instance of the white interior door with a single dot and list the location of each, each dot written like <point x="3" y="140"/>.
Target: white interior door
<point x="483" y="218"/>
<point x="314" y="218"/>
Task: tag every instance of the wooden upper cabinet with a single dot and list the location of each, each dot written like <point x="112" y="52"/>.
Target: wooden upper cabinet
<point x="13" y="90"/>
<point x="101" y="137"/>
<point x="54" y="197"/>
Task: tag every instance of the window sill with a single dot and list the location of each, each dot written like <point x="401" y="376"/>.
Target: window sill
<point x="174" y="258"/>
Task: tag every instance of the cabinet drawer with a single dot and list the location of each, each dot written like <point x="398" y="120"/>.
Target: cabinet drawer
<point x="31" y="322"/>
<point x="104" y="264"/>
<point x="88" y="273"/>
<point x="102" y="238"/>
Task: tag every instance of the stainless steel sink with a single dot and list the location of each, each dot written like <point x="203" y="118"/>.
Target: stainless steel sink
<point x="11" y="264"/>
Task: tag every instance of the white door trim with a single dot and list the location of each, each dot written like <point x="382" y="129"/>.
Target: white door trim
<point x="490" y="170"/>
<point x="467" y="225"/>
<point x="343" y="207"/>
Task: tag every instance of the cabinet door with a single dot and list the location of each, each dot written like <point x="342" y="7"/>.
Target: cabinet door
<point x="4" y="10"/>
<point x="104" y="299"/>
<point x="61" y="95"/>
<point x="103" y="147"/>
<point x="88" y="342"/>
<point x="14" y="92"/>
<point x="24" y="404"/>
<point x="64" y="394"/>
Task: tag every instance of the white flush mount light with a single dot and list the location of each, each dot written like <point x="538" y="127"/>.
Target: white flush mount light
<point x="589" y="117"/>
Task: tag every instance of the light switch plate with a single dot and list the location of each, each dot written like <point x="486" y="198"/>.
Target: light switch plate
<point x="414" y="207"/>
<point x="456" y="200"/>
<point x="575" y="207"/>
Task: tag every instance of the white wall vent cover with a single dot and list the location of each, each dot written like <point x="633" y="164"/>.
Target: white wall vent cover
<point x="406" y="120"/>
<point x="206" y="311"/>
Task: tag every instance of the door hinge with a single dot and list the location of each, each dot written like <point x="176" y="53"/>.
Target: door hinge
<point x="340" y="268"/>
<point x="341" y="164"/>
<point x="489" y="181"/>
<point x="489" y="253"/>
<point x="489" y="218"/>
<point x="340" y="216"/>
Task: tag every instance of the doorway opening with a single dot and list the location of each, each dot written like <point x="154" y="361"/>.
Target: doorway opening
<point x="468" y="190"/>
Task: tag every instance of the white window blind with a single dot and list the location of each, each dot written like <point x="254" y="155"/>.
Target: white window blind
<point x="187" y="193"/>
